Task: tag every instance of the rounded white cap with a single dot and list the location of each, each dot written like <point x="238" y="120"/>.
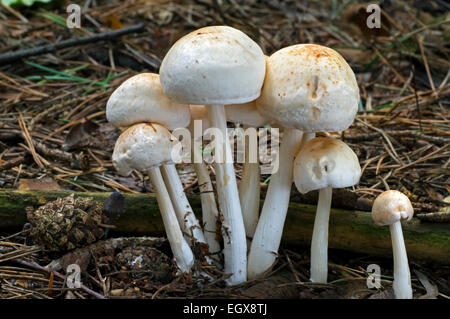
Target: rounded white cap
<point x="213" y="65"/>
<point x="246" y="114"/>
<point x="141" y="99"/>
<point x="311" y="88"/>
<point x="142" y="147"/>
<point x="325" y="162"/>
<point x="390" y="207"/>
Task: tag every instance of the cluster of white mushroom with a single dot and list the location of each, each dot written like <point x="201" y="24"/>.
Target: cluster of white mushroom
<point x="216" y="74"/>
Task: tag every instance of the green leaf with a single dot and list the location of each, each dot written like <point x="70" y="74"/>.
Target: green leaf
<point x="27" y="3"/>
<point x="53" y="17"/>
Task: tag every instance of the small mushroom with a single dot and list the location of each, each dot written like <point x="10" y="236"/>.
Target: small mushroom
<point x="144" y="147"/>
<point x="324" y="163"/>
<point x="217" y="66"/>
<point x="141" y="99"/>
<point x="389" y="208"/>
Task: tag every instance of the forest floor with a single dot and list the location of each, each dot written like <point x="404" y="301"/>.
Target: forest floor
<point x="54" y="134"/>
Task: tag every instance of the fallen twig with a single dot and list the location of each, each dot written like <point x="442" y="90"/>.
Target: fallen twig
<point x="36" y="266"/>
<point x="20" y="54"/>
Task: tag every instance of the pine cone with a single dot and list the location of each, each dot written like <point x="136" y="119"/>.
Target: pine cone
<point x="67" y="223"/>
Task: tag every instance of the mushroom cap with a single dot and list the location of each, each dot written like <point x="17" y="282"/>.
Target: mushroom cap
<point x="142" y="147"/>
<point x="141" y="99"/>
<point x="213" y="65"/>
<point x="390" y="207"/>
<point x="325" y="162"/>
<point x="311" y="88"/>
<point x="246" y="114"/>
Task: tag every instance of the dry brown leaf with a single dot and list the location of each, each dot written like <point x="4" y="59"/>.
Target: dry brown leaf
<point x="356" y="56"/>
<point x="79" y="135"/>
<point x="432" y="290"/>
<point x="113" y="22"/>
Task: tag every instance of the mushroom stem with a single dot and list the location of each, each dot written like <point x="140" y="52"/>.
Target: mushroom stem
<point x="182" y="253"/>
<point x="209" y="209"/>
<point x="183" y="210"/>
<point x="235" y="246"/>
<point x="319" y="242"/>
<point x="249" y="191"/>
<point x="210" y="212"/>
<point x="402" y="276"/>
<point x="267" y="237"/>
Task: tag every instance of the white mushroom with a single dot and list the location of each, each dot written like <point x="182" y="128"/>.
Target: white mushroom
<point x="308" y="88"/>
<point x="217" y="66"/>
<point x="141" y="99"/>
<point x="389" y="208"/>
<point x="210" y="212"/>
<point x="311" y="88"/>
<point x="145" y="147"/>
<point x="249" y="191"/>
<point x="322" y="164"/>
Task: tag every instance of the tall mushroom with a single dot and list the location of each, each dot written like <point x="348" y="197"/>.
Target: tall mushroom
<point x="209" y="207"/>
<point x="322" y="164"/>
<point x="217" y="66"/>
<point x="145" y="147"/>
<point x="249" y="191"/>
<point x="308" y="88"/>
<point x="141" y="99"/>
<point x="389" y="208"/>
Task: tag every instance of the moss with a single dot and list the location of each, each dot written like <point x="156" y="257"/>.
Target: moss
<point x="350" y="230"/>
